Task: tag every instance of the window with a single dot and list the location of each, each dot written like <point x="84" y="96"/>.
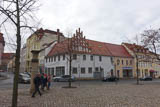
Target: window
<point x="112" y="60"/>
<point x="74" y="56"/>
<point x="111" y="72"/>
<point x="52" y="72"/>
<point x="100" y="58"/>
<point x="51" y="59"/>
<point x="82" y="70"/>
<point x="54" y="58"/>
<point x="118" y="61"/>
<point x="60" y="70"/>
<point x="64" y="57"/>
<point x="59" y="57"/>
<point x="74" y="71"/>
<point x="130" y="62"/>
<point x="96" y="69"/>
<point x="46" y="59"/>
<point x="84" y="57"/>
<point x="90" y="70"/>
<point x="122" y="62"/>
<point x="126" y="62"/>
<point x="91" y="57"/>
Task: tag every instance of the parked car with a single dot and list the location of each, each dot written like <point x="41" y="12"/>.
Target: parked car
<point x="64" y="78"/>
<point x="147" y="78"/>
<point x="110" y="78"/>
<point x="24" y="78"/>
<point x="28" y="73"/>
<point x="2" y="71"/>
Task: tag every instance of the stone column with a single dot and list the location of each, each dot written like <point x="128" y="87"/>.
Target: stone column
<point x="34" y="68"/>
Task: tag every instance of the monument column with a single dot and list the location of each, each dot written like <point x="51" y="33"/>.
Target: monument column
<point x="34" y="68"/>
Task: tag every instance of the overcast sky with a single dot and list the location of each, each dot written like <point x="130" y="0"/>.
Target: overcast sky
<point x="110" y="21"/>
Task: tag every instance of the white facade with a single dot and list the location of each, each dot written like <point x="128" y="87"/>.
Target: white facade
<point x="44" y="52"/>
<point x="93" y="67"/>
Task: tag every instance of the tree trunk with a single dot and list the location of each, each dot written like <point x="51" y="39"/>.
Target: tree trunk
<point x="137" y="70"/>
<point x="70" y="67"/>
<point x="17" y="60"/>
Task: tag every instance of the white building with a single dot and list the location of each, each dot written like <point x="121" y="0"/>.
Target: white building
<point x="90" y="59"/>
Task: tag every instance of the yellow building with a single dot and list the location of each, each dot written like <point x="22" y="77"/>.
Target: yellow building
<point x="147" y="63"/>
<point x="37" y="41"/>
<point x="122" y="61"/>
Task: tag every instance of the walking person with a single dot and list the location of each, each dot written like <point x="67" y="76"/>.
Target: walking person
<point x="44" y="82"/>
<point x="42" y="79"/>
<point x="49" y="82"/>
<point x="37" y="83"/>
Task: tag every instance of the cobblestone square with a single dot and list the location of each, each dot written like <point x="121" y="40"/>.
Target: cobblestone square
<point x="91" y="95"/>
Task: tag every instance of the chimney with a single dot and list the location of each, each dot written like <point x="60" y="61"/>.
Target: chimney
<point x="58" y="34"/>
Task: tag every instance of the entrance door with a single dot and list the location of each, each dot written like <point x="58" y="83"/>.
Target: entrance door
<point x="118" y="73"/>
<point x="127" y="73"/>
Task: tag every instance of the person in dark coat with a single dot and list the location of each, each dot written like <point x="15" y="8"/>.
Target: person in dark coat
<point x="49" y="82"/>
<point x="44" y="82"/>
<point x="42" y="79"/>
<point x="37" y="83"/>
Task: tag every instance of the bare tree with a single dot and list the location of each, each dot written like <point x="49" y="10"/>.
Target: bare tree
<point x="151" y="40"/>
<point x="18" y="14"/>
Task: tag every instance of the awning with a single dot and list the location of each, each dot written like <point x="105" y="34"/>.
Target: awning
<point x="151" y="71"/>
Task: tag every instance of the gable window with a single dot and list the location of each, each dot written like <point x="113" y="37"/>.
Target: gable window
<point x="74" y="56"/>
<point x="91" y="57"/>
<point x="82" y="70"/>
<point x="89" y="70"/>
<point x="74" y="70"/>
<point x="59" y="57"/>
<point x="64" y="57"/>
<point x="100" y="58"/>
<point x="84" y="57"/>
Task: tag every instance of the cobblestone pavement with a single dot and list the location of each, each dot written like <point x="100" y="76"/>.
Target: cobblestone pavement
<point x="104" y="95"/>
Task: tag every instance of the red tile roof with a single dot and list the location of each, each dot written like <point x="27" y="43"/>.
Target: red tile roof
<point x="136" y="48"/>
<point x="117" y="50"/>
<point x="59" y="48"/>
<point x="40" y="32"/>
<point x="7" y="55"/>
<point x="97" y="48"/>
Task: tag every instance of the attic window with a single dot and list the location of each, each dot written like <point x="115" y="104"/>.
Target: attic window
<point x="99" y="46"/>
